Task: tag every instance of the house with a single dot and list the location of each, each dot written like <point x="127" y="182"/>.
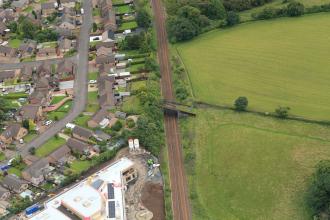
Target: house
<point x="7" y="52"/>
<point x="109" y="21"/>
<point x="27" y="49"/>
<point x="105" y="59"/>
<point x="68" y="3"/>
<point x="65" y="45"/>
<point x="102" y="135"/>
<point x="67" y="22"/>
<point x="4" y="194"/>
<point x="81" y="133"/>
<point x="64" y="32"/>
<point x="8" y="75"/>
<point x="60" y="155"/>
<point x="106" y="92"/>
<point x="48" y="8"/>
<point x="45" y="53"/>
<point x="26" y="73"/>
<point x="7" y="15"/>
<point x="98" y="118"/>
<point x="121" y="115"/>
<point x="35" y="172"/>
<point x="13" y="132"/>
<point x="78" y="146"/>
<point x="3" y="28"/>
<point x="31" y="112"/>
<point x="13" y="183"/>
<point x="66" y="68"/>
<point x="103" y="51"/>
<point x="19" y="4"/>
<point x="39" y="97"/>
<point x="30" y="159"/>
<point x="44" y="70"/>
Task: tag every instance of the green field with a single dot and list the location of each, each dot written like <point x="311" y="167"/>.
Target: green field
<point x="251" y="167"/>
<point x="282" y="62"/>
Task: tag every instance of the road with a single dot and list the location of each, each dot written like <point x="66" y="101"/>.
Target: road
<point x="80" y="84"/>
<point x="180" y="202"/>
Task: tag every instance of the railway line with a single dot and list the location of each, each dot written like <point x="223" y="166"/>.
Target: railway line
<point x="180" y="202"/>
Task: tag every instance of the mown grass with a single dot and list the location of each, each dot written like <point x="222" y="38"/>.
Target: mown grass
<point x="78" y="166"/>
<point x="282" y="62"/>
<point x="57" y="99"/>
<point x="51" y="145"/>
<point x="128" y="25"/>
<point x="252" y="167"/>
<point x="82" y="120"/>
<point x="14" y="43"/>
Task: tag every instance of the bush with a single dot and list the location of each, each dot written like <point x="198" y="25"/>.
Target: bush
<point x="143" y="18"/>
<point x="241" y="103"/>
<point x="282" y="112"/>
<point x="117" y="126"/>
<point x="232" y="18"/>
<point x="295" y="9"/>
<point x="32" y="150"/>
<point x="26" y="124"/>
<point x="130" y="123"/>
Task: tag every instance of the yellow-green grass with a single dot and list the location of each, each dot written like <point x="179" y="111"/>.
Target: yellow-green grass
<point x="51" y="145"/>
<point x="246" y="15"/>
<point x="282" y="62"/>
<point x="78" y="166"/>
<point x="82" y="120"/>
<point x="252" y="167"/>
<point x="15" y="43"/>
<point x="128" y="25"/>
<point x="132" y="105"/>
<point x="57" y="99"/>
<point x="92" y="105"/>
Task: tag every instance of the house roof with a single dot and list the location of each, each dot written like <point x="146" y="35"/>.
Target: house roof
<point x="7" y="74"/>
<point x="29" y="111"/>
<point x="103" y="51"/>
<point x="13" y="182"/>
<point x="36" y="169"/>
<point x="11" y="131"/>
<point x="105" y="86"/>
<point x="19" y="3"/>
<point x="65" y="44"/>
<point x="3" y="191"/>
<point x="59" y="153"/>
<point x="48" y="5"/>
<point x="108" y="44"/>
<point x="28" y="47"/>
<point x="100" y="115"/>
<point x="26" y="73"/>
<point x="101" y="59"/>
<point x="76" y="145"/>
<point x="65" y="66"/>
<point x="44" y="69"/>
<point x="8" y="51"/>
<point x="83" y="132"/>
<point x="47" y="50"/>
<point x="3" y="27"/>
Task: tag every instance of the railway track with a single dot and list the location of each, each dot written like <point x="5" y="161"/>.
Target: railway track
<point x="180" y="202"/>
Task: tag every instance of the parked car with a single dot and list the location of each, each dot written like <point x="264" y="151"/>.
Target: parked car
<point x="48" y="122"/>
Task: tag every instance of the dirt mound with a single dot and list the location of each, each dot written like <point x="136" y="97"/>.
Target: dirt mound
<point x="153" y="200"/>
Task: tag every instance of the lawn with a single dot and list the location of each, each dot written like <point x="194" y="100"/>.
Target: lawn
<point x="118" y="2"/>
<point x="51" y="145"/>
<point x="251" y="167"/>
<point x="123" y="9"/>
<point x="30" y="137"/>
<point x="15" y="43"/>
<point x="128" y="25"/>
<point x="246" y="15"/>
<point x="65" y="107"/>
<point x="93" y="75"/>
<point x="79" y="166"/>
<point x="82" y="120"/>
<point x="57" y="99"/>
<point x="132" y="105"/>
<point x="15" y="171"/>
<point x="92" y="105"/>
<point x="273" y="63"/>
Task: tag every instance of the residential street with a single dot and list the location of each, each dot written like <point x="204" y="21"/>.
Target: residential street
<point x="80" y="86"/>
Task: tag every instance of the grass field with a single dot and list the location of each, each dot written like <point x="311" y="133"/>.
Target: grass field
<point x="283" y="62"/>
<point x="251" y="167"/>
<point x="246" y="15"/>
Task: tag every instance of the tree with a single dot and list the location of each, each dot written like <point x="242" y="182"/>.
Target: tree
<point x="32" y="150"/>
<point x="318" y="193"/>
<point x="295" y="9"/>
<point x="241" y="103"/>
<point x="130" y="123"/>
<point x="117" y="126"/>
<point x="213" y="9"/>
<point x="181" y="29"/>
<point x="282" y="112"/>
<point x="26" y="124"/>
<point x="232" y="18"/>
<point x="56" y="118"/>
<point x="94" y="27"/>
<point x="143" y="18"/>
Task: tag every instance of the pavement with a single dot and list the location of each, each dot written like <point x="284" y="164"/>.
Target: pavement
<point x="178" y="182"/>
<point x="80" y="84"/>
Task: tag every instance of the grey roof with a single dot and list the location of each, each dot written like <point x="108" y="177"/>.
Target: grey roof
<point x="3" y="191"/>
<point x="8" y="51"/>
<point x="100" y="115"/>
<point x="60" y="152"/>
<point x="83" y="132"/>
<point x="12" y="182"/>
<point x="65" y="66"/>
<point x="37" y="168"/>
<point x="48" y="5"/>
<point x="3" y="27"/>
<point x="100" y="134"/>
<point x="105" y="86"/>
<point x="102" y="59"/>
<point x="7" y="74"/>
<point x="29" y="111"/>
<point x="19" y="3"/>
<point x="76" y="145"/>
<point x="12" y="130"/>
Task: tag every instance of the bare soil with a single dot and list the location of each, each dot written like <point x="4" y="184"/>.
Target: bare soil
<point x="153" y="199"/>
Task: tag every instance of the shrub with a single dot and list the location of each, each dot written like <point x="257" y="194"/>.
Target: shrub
<point x="117" y="126"/>
<point x="232" y="18"/>
<point x="295" y="9"/>
<point x="282" y="112"/>
<point x="241" y="103"/>
<point x="130" y="123"/>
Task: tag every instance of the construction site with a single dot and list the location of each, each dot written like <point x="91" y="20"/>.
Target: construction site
<point x="130" y="187"/>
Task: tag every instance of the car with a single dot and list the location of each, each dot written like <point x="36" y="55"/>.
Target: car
<point x="48" y="122"/>
<point x="21" y="141"/>
<point x="92" y="81"/>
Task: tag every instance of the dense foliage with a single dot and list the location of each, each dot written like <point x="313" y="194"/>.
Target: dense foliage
<point x="240" y="5"/>
<point x="318" y="194"/>
<point x="241" y="103"/>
